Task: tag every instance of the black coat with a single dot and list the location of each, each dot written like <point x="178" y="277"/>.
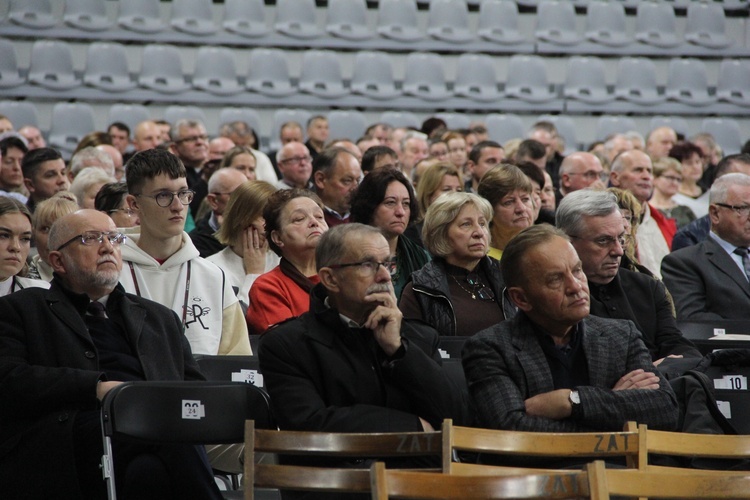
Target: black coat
<point x="49" y="369"/>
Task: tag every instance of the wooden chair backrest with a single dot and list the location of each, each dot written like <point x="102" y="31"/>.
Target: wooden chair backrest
<point x="666" y="483"/>
<point x="540" y="444"/>
<point x="425" y="486"/>
<point x="327" y="444"/>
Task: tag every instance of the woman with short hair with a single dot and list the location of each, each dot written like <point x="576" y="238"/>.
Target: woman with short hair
<point x="46" y="213"/>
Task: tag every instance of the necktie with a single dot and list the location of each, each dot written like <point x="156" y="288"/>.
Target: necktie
<point x="96" y="309"/>
<point x="742" y="252"/>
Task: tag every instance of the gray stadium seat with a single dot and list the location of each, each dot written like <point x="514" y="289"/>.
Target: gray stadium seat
<point x="173" y="114"/>
<point x="107" y="67"/>
<point x="193" y="16"/>
<point x="566" y="127"/>
<point x="425" y="77"/>
<point x="215" y="71"/>
<point x="556" y="23"/>
<point x="454" y="121"/>
<point x="162" y="69"/>
<point x="52" y="65"/>
<point x="245" y="17"/>
<point x="321" y="74"/>
<point x="656" y="25"/>
<point x="449" y="20"/>
<point x="9" y="74"/>
<point x="608" y="125"/>
<point x="397" y="19"/>
<point x="726" y="131"/>
<point x="268" y="73"/>
<point x="586" y="81"/>
<point x="504" y="127"/>
<point x="476" y="78"/>
<point x="87" y="15"/>
<point x="400" y="119"/>
<point x="636" y="81"/>
<point x="346" y="124"/>
<point x="706" y="26"/>
<point x="141" y="16"/>
<point x="605" y="24"/>
<point x="296" y="18"/>
<point x="676" y="123"/>
<point x="281" y="116"/>
<point x="498" y="22"/>
<point x="687" y="82"/>
<point x="734" y="82"/>
<point x="129" y="114"/>
<point x="527" y="79"/>
<point x="34" y="14"/>
<point x="373" y="76"/>
<point x="247" y="115"/>
<point x="70" y="122"/>
<point x="20" y="113"/>
<point x="348" y="19"/>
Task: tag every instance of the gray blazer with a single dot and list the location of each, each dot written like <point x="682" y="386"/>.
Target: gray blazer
<point x="505" y="365"/>
<point x="706" y="283"/>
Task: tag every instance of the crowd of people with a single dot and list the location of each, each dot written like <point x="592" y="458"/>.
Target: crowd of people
<point x="350" y="257"/>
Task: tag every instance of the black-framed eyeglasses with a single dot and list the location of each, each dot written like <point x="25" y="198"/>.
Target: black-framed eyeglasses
<point x="607" y="241"/>
<point x="296" y="160"/>
<point x="127" y="211"/>
<point x="90" y="237"/>
<point x="369" y="267"/>
<point x="485" y="292"/>
<point x="741" y="210"/>
<point x="165" y="198"/>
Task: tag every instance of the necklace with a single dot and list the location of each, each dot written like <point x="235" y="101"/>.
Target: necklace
<point x="478" y="288"/>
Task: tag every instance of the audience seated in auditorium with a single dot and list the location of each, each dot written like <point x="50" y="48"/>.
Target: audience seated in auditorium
<point x="554" y="368"/>
<point x="62" y="350"/>
<point x="352" y="363"/>
<point x="386" y="200"/>
<point x="336" y="175"/>
<point x="247" y="254"/>
<point x="294" y="222"/>
<point x="509" y="192"/>
<point x="593" y="222"/>
<point x="162" y="264"/>
<point x="221" y="185"/>
<point x="43" y="174"/>
<point x="459" y="292"/>
<point x="709" y="281"/>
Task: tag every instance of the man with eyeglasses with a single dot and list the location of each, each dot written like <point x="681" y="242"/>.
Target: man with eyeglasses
<point x="352" y="363"/>
<point x="62" y="350"/>
<point x="162" y="264"/>
<point x="295" y="165"/>
<point x="190" y="145"/>
<point x="709" y="280"/>
<point x="579" y="170"/>
<point x="594" y="223"/>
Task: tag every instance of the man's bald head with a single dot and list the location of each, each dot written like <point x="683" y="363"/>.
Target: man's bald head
<point x="218" y="147"/>
<point x="660" y="141"/>
<point x="580" y="170"/>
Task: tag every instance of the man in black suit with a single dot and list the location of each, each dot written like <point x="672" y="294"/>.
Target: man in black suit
<point x="62" y="350"/>
<point x="595" y="226"/>
<point x="352" y="364"/>
<point x="554" y="368"/>
<point x="709" y="280"/>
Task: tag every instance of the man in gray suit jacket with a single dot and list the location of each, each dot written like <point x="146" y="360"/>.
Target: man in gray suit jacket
<point x="709" y="280"/>
<point x="553" y="367"/>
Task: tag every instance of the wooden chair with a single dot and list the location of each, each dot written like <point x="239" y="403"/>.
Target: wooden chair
<point x="666" y="483"/>
<point x="327" y="445"/>
<point x="537" y="444"/>
<point x="396" y="483"/>
<point x="682" y="444"/>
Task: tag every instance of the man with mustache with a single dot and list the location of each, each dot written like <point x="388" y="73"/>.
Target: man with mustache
<point x="352" y="364"/>
<point x="62" y="350"/>
<point x="554" y="368"/>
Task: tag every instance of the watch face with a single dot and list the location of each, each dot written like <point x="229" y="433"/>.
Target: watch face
<point x="575" y="398"/>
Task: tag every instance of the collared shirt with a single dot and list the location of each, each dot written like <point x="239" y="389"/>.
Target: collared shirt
<point x="729" y="249"/>
<point x="567" y="363"/>
<point x="213" y="222"/>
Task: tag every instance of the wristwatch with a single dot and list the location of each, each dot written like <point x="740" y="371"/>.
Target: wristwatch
<point x="575" y="401"/>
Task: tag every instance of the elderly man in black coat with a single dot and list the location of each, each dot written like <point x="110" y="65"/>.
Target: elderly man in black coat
<point x="62" y="350"/>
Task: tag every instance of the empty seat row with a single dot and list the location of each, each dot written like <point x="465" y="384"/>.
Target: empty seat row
<point x="373" y="84"/>
<point x="192" y="21"/>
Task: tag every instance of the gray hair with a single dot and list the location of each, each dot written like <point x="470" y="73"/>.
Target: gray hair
<point x="583" y="203"/>
<point x="720" y="187"/>
<point x="333" y="245"/>
<point x="88" y="177"/>
<point x="442" y="213"/>
<point x="174" y="133"/>
<point x="632" y="135"/>
<point x="90" y="157"/>
<point x="412" y="135"/>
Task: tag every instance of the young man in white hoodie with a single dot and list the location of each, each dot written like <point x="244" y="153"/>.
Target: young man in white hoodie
<point x="161" y="263"/>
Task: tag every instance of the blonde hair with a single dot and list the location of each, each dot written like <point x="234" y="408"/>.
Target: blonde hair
<point x="442" y="213"/>
<point x="430" y="181"/>
<point x="245" y="205"/>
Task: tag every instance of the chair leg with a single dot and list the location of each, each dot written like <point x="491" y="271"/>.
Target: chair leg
<point x="108" y="471"/>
